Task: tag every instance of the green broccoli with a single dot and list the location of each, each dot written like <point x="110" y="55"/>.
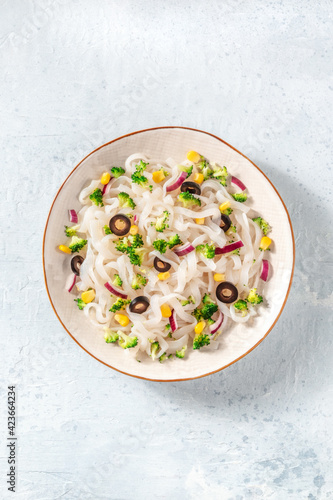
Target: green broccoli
<point x="205" y="169"/>
<point x="232" y="229"/>
<point x="264" y="226"/>
<point x="240" y="197"/>
<point x="181" y="353"/>
<point x="110" y="336"/>
<point x="227" y="211"/>
<point x="220" y="173"/>
<point x="210" y="321"/>
<point x="117" y="281"/>
<point x="241" y="305"/>
<point x="190" y="300"/>
<point x="140" y="167"/>
<point x="235" y="252"/>
<point x="97" y="197"/>
<point x="207" y="310"/>
<point x="188" y="170"/>
<point x="160" y="245"/>
<point x="200" y="340"/>
<point x="161" y="222"/>
<point x="117" y="172"/>
<point x="107" y="230"/>
<point x="130" y="246"/>
<point x="125" y="341"/>
<point x="163" y="357"/>
<point x="189" y="200"/>
<point x="119" y="304"/>
<point x="153" y="349"/>
<point x="71" y="231"/>
<point x="138" y="177"/>
<point x="206" y="250"/>
<point x="139" y="281"/>
<point x="125" y="200"/>
<point x="135" y="240"/>
<point x="136" y="256"/>
<point x="174" y="240"/>
<point x="77" y="244"/>
<point x="80" y="303"/>
<point x="253" y="297"/>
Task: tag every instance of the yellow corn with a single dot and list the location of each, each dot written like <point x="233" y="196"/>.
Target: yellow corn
<point x="134" y="230"/>
<point x="166" y="311"/>
<point x="219" y="277"/>
<point x="193" y="156"/>
<point x="163" y="276"/>
<point x="200" y="220"/>
<point x="265" y="242"/>
<point x="224" y="206"/>
<point x="88" y="296"/>
<point x="65" y="249"/>
<point x="122" y="319"/>
<point x="198" y="178"/>
<point x="199" y="327"/>
<point x="105" y="178"/>
<point x="158" y="176"/>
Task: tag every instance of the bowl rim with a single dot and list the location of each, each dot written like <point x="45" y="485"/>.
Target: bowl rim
<point x="290" y="281"/>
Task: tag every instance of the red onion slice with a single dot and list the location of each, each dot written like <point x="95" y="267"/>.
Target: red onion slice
<point x="114" y="291"/>
<point x="238" y="183"/>
<point x="136" y="219"/>
<point x="73" y="216"/>
<point x="106" y="187"/>
<point x="173" y="321"/>
<point x="177" y="183"/>
<point x="229" y="248"/>
<point x="218" y="323"/>
<point x="264" y="271"/>
<point x="184" y="250"/>
<point x="70" y="282"/>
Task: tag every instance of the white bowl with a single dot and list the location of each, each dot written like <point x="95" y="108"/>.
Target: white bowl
<point x="165" y="142"/>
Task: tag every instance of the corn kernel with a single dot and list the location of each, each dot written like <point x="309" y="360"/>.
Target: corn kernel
<point x="158" y="176"/>
<point x="88" y="296"/>
<point x="199" y="327"/>
<point x="265" y="242"/>
<point x="219" y="277"/>
<point x="193" y="156"/>
<point x="224" y="206"/>
<point x="105" y="178"/>
<point x="134" y="230"/>
<point x="166" y="311"/>
<point x="65" y="249"/>
<point x="200" y="220"/>
<point x="198" y="178"/>
<point x="122" y="319"/>
<point x="163" y="276"/>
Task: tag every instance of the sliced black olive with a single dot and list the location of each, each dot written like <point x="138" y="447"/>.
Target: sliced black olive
<point x="76" y="264"/>
<point x="120" y="224"/>
<point x="225" y="222"/>
<point x="161" y="266"/>
<point x="226" y="292"/>
<point x="139" y="305"/>
<point x="191" y="187"/>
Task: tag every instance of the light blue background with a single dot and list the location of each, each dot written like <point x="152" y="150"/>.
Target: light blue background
<point x="76" y="74"/>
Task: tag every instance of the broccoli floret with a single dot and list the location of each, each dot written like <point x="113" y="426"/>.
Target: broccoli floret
<point x="189" y="200"/>
<point x="117" y="172"/>
<point x="135" y="240"/>
<point x="232" y="229"/>
<point x="235" y="252"/>
<point x="110" y="336"/>
<point x="77" y="244"/>
<point x="140" y="167"/>
<point x="131" y="245"/>
<point x="163" y="357"/>
<point x="71" y="231"/>
<point x="210" y="321"/>
<point x="264" y="226"/>
<point x="253" y="297"/>
<point x="240" y="197"/>
<point x="153" y="349"/>
<point x="207" y="299"/>
<point x="160" y="245"/>
<point x="135" y="256"/>
<point x="220" y="173"/>
<point x="200" y="340"/>
<point x="137" y="178"/>
<point x="181" y="353"/>
<point x="206" y="250"/>
<point x="227" y="211"/>
<point x="125" y="341"/>
<point x="139" y="281"/>
<point x="117" y="281"/>
<point x="107" y="230"/>
<point x="97" y="197"/>
<point x="161" y="222"/>
<point x="208" y="309"/>
<point x="190" y="300"/>
<point x="121" y="246"/>
<point x="168" y="327"/>
<point x="80" y="303"/>
<point x="188" y="170"/>
<point x="205" y="169"/>
<point x="125" y="200"/>
<point x="174" y="240"/>
<point x="119" y="304"/>
<point x="241" y="305"/>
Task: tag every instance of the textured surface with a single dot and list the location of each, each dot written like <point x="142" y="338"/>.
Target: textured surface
<point x="77" y="74"/>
